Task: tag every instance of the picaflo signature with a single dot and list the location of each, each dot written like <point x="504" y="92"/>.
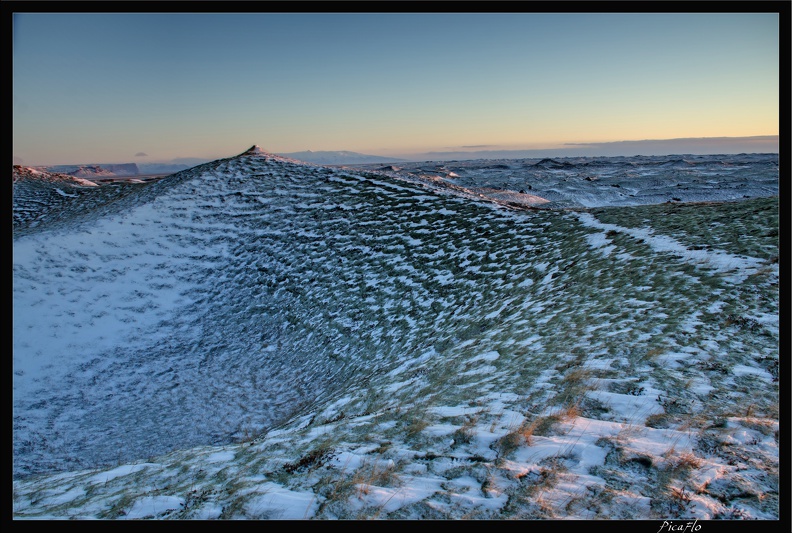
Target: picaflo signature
<point x="679" y="527"/>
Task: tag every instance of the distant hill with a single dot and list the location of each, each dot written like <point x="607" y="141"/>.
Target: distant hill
<point x="95" y="170"/>
<point x="28" y="174"/>
<point x="46" y="199"/>
<point x="338" y="158"/>
<point x="164" y="168"/>
<point x="120" y="170"/>
<point x="761" y="144"/>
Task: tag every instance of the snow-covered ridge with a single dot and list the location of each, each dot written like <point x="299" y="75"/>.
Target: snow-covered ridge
<point x="105" y="170"/>
<point x="257" y="151"/>
<point x="261" y="338"/>
<point x="28" y="173"/>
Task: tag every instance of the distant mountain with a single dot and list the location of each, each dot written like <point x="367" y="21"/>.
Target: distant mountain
<point x="94" y="170"/>
<point x="339" y="158"/>
<point x="762" y="144"/>
<point x="34" y="175"/>
<point x="122" y="170"/>
<point x="164" y="168"/>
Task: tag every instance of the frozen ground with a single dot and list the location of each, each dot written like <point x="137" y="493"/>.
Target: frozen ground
<point x="257" y="338"/>
<point x="609" y="181"/>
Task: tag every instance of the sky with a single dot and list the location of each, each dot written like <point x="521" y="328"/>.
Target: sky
<point x="138" y="87"/>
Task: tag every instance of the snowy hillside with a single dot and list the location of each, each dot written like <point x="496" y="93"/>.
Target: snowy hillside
<point x="44" y="199"/>
<point x="259" y="338"/>
<point x="96" y="171"/>
<point x="612" y="181"/>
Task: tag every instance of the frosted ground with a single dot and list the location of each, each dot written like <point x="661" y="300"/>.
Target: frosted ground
<point x="258" y="338"/>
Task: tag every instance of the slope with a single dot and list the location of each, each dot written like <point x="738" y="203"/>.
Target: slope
<point x="319" y="326"/>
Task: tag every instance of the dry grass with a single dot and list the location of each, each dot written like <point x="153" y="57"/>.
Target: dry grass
<point x="762" y="425"/>
<point x="539" y="426"/>
<point x="415" y="426"/>
<point x="659" y="420"/>
<point x="463" y="435"/>
<point x="629" y="432"/>
<point x="570" y="412"/>
<point x="507" y="444"/>
<point x="466" y="433"/>
<point x="376" y="473"/>
<point x="684" y="462"/>
<point x="527" y="431"/>
<point x="577" y="376"/>
<point x="653" y="353"/>
<point x="523" y="434"/>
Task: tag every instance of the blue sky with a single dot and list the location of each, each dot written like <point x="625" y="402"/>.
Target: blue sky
<point x="105" y="87"/>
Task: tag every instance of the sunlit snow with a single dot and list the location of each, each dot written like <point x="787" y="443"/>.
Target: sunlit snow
<point x="258" y="338"/>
